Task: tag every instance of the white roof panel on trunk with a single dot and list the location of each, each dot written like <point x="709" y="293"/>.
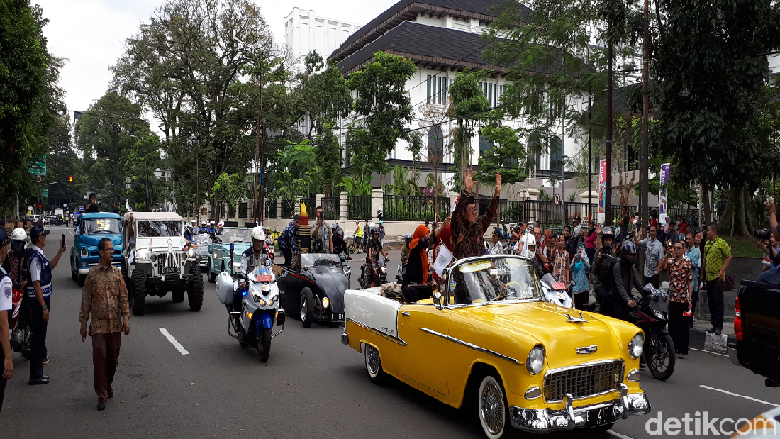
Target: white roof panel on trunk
<point x="157" y="216"/>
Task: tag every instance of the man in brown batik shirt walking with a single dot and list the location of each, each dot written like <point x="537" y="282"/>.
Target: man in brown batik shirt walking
<point x="105" y="299"/>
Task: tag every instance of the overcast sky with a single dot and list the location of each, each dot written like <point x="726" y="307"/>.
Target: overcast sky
<point x="91" y="34"/>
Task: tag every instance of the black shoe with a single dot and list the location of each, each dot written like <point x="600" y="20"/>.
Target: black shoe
<point x="110" y="393"/>
<point x="42" y="380"/>
<point x="101" y="405"/>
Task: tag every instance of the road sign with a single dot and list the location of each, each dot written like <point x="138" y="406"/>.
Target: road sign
<point x="45" y="193"/>
<point x="38" y="167"/>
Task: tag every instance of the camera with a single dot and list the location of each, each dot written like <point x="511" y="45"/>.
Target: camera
<point x="762" y="234"/>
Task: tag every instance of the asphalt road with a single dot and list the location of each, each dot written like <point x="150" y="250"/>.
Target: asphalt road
<point x="312" y="386"/>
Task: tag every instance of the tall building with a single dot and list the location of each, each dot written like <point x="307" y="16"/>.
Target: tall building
<point x="442" y="37"/>
<point x="305" y="32"/>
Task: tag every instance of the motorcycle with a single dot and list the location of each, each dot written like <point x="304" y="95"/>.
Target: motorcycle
<point x="20" y="330"/>
<point x="555" y="292"/>
<point x="652" y="316"/>
<point x="345" y="258"/>
<point x="379" y="274"/>
<point x="251" y="321"/>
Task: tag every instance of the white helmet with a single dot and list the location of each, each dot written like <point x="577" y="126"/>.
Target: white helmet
<point x="258" y="233"/>
<point x="18" y="234"/>
<point x="211" y="223"/>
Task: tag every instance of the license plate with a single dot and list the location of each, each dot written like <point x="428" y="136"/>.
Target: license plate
<point x="170" y="270"/>
<point x="600" y="416"/>
<point x="264" y="278"/>
<point x="338" y="317"/>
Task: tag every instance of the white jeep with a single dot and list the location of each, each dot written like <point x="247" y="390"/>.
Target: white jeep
<point x="156" y="260"/>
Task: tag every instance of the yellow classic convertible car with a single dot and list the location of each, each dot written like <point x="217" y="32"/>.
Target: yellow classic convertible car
<point x="492" y="342"/>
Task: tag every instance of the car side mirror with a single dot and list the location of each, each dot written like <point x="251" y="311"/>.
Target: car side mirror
<point x="437" y="300"/>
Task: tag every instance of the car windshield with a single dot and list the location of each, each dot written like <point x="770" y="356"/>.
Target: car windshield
<point x="319" y="259"/>
<point x="495" y="278"/>
<point x="203" y="238"/>
<point x="236" y="235"/>
<point x="154" y="229"/>
<point x="95" y="226"/>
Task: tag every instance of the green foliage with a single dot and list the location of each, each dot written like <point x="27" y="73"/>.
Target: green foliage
<point x="382" y="108"/>
<point x="355" y="185"/>
<point x="469" y="107"/>
<point x="508" y="156"/>
<point x="295" y="171"/>
<point x="229" y="189"/>
<point x="544" y="196"/>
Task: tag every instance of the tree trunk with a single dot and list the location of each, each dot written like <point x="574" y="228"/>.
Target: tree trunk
<point x="707" y="209"/>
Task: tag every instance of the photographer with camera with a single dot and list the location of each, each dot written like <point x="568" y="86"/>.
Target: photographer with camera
<point x="768" y="243"/>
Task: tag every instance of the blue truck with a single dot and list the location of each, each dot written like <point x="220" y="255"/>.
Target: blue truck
<point x="90" y="229"/>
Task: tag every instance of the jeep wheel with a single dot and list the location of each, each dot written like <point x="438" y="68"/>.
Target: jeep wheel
<point x="212" y="276"/>
<point x="195" y="293"/>
<point x="139" y="292"/>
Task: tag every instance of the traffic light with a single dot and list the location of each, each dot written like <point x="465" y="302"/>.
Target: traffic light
<point x="40" y="206"/>
<point x="70" y="179"/>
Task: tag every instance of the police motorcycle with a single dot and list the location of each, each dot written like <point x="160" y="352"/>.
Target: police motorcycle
<point x="253" y="304"/>
<point x="555" y="292"/>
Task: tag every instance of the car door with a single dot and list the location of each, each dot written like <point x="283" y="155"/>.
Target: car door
<point x="424" y="328"/>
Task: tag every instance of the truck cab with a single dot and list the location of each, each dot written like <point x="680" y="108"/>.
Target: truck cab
<point x="90" y="229"/>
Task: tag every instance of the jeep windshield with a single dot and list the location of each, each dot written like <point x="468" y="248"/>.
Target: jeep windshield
<point x="94" y="226"/>
<point x="496" y="278"/>
<point x="155" y="229"/>
<point x="236" y="235"/>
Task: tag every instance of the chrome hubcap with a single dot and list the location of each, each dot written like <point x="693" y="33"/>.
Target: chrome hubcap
<point x="372" y="360"/>
<point x="303" y="308"/>
<point x="491" y="408"/>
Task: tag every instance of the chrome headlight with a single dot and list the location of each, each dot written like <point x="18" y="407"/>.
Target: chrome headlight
<point x="325" y="302"/>
<point x="84" y="252"/>
<point x="383" y="269"/>
<point x="345" y="268"/>
<point x="142" y="254"/>
<point x="636" y="346"/>
<point x="190" y="253"/>
<point x="261" y="301"/>
<point x="214" y="255"/>
<point x="236" y="265"/>
<point x="535" y="361"/>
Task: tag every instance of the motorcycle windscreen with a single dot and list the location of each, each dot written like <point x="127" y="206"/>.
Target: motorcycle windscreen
<point x="333" y="282"/>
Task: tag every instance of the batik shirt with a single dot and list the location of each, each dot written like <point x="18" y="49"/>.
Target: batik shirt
<point x="560" y="265"/>
<point x="104" y="298"/>
<point x="467" y="239"/>
<point x="654" y="251"/>
<point x="680" y="275"/>
<point x="287" y="238"/>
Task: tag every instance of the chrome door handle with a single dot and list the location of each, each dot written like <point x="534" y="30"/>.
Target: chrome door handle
<point x="405" y="314"/>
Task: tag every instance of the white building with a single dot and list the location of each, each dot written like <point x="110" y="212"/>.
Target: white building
<point x="305" y="32"/>
<point x="442" y="37"/>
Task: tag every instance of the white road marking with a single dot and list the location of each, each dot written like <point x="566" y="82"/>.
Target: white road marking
<point x="173" y="341"/>
<point x="709" y="352"/>
<point x="750" y="398"/>
<point x="621" y="436"/>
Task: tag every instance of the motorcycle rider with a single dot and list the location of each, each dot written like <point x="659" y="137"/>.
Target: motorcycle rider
<point x="204" y="227"/>
<point x="624" y="277"/>
<point x="339" y="244"/>
<point x="253" y="257"/>
<point x="604" y="261"/>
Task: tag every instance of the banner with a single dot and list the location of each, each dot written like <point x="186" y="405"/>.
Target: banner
<point x="662" y="194"/>
<point x="602" y="190"/>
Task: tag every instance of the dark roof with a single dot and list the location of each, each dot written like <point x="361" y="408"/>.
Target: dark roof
<point x="436" y="45"/>
<point x="405" y="10"/>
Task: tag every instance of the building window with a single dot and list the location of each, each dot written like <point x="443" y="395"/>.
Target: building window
<point x="556" y="154"/>
<point x="442" y="100"/>
<point x="435" y="144"/>
<point x="485" y="145"/>
<point x="430" y="88"/>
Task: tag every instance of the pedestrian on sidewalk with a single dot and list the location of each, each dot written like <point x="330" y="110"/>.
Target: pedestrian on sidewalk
<point x="39" y="289"/>
<point x="104" y="299"/>
<point x="680" y="278"/>
<point x="6" y="303"/>
<point x="581" y="288"/>
<point x="694" y="255"/>
<point x="654" y="251"/>
<point x="717" y="256"/>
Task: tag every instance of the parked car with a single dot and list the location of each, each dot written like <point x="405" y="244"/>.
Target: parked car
<point x="757" y="330"/>
<point x="90" y="229"/>
<point x="493" y="342"/>
<point x="315" y="292"/>
<point x="157" y="262"/>
<point x="219" y="251"/>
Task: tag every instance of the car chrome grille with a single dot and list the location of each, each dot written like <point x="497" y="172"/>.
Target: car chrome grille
<point x="583" y="381"/>
<point x="170" y="263"/>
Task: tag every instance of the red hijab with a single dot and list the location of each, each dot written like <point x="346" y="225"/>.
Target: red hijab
<point x="445" y="236"/>
<point x="419" y="234"/>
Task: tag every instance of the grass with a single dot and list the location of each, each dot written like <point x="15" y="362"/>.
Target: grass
<point x="742" y="247"/>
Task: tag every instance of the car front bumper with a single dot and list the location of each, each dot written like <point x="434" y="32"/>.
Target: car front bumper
<point x="546" y="420"/>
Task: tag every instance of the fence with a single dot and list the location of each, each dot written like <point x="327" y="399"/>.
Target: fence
<point x="288" y="208"/>
<point x="270" y="209"/>
<point x="311" y="204"/>
<point x="331" y="208"/>
<point x="414" y="208"/>
<point x="359" y="207"/>
<point x="242" y="210"/>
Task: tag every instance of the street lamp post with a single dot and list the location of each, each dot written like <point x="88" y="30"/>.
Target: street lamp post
<point x="563" y="188"/>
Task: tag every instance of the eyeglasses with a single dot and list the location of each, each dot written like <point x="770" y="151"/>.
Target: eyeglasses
<point x="472" y="210"/>
<point x="678" y="248"/>
<point x="108" y="249"/>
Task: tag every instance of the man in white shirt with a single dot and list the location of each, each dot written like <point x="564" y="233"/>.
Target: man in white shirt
<point x="6" y="292"/>
<point x="654" y="251"/>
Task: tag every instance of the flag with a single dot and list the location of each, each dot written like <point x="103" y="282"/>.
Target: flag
<point x="443" y="259"/>
<point x="127" y="205"/>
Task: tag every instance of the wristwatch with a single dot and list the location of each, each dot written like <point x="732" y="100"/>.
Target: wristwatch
<point x="45" y="307"/>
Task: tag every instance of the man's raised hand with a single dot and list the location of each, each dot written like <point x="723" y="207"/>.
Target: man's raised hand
<point x="468" y="180"/>
<point x="498" y="183"/>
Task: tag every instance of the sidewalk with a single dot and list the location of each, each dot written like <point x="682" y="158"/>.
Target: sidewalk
<point x="705" y="325"/>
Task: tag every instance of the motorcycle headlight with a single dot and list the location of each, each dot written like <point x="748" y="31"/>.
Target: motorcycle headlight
<point x="535" y="361"/>
<point x="190" y="253"/>
<point x="236" y="266"/>
<point x="383" y="269"/>
<point x="636" y="346"/>
<point x="261" y="302"/>
<point x="214" y="256"/>
<point x="325" y="302"/>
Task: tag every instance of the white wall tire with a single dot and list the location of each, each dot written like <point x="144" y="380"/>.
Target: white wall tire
<point x="376" y="374"/>
<point x="492" y="408"/>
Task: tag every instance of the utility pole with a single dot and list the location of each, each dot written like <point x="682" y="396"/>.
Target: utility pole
<point x="590" y="162"/>
<point x="608" y="179"/>
<point x="197" y="183"/>
<point x="643" y="217"/>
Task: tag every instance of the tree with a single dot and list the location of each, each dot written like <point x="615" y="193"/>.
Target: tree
<point x="382" y="109"/>
<point x="30" y="99"/>
<point x="507" y="156"/>
<point x="712" y="71"/>
<point x="228" y="189"/>
<point x="469" y="107"/>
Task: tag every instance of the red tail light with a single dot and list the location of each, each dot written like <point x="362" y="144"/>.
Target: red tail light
<point x="737" y="319"/>
<point x="17" y="295"/>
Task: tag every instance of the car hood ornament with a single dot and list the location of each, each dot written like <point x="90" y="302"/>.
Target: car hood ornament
<point x="585" y="350"/>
